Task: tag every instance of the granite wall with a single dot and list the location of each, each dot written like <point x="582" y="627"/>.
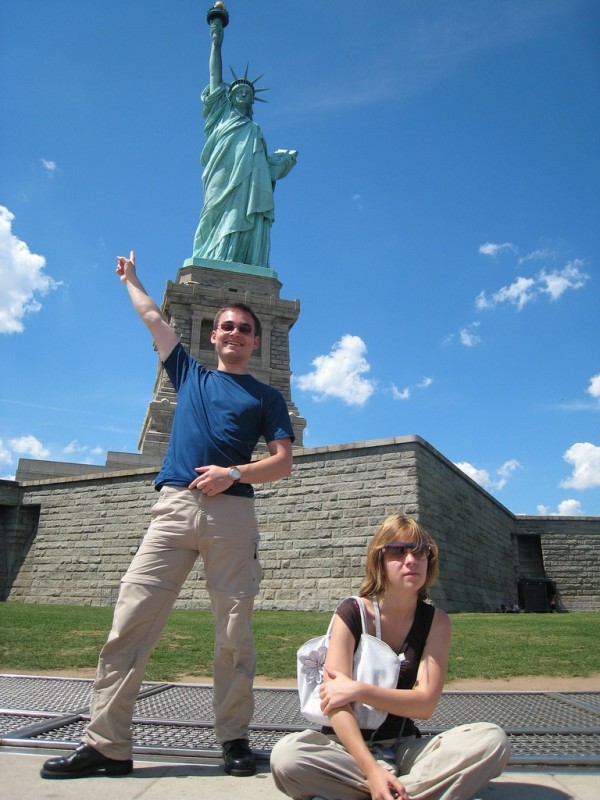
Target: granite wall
<point x="314" y="526"/>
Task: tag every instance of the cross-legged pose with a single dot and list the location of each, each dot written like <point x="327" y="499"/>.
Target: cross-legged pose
<point x="343" y="762"/>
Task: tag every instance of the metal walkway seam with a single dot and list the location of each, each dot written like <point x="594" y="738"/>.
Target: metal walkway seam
<point x="176" y="720"/>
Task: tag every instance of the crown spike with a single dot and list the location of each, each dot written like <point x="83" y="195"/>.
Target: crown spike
<point x="247" y="82"/>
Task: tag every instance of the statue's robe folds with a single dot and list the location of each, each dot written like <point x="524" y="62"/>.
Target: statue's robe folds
<point x="238" y="211"/>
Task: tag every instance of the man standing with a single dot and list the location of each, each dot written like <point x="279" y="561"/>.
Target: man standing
<point x="205" y="507"/>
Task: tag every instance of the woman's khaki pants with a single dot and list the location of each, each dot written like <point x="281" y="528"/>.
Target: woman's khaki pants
<point x="450" y="766"/>
<point x="185" y="524"/>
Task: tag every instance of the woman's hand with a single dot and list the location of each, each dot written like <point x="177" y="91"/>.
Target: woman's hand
<point x="384" y="785"/>
<point x="336" y="692"/>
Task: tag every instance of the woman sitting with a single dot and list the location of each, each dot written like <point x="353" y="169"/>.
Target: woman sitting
<point x="344" y="762"/>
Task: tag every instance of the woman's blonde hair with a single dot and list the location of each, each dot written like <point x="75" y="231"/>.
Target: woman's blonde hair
<point x="393" y="528"/>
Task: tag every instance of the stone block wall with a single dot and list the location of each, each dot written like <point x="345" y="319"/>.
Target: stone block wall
<point x="18" y="526"/>
<point x="474" y="532"/>
<point x="571" y="554"/>
<point x="314" y="528"/>
<point x="88" y="530"/>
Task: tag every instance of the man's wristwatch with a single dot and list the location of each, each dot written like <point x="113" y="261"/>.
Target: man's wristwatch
<point x="235" y="475"/>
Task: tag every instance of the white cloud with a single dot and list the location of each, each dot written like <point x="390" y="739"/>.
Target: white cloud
<point x="86" y="450"/>
<point x="29" y="446"/>
<point x="21" y="277"/>
<point x="567" y="508"/>
<point x="523" y="290"/>
<point x="49" y="166"/>
<point x="557" y="282"/>
<point x="585" y="458"/>
<point x="537" y="255"/>
<point x="519" y="293"/>
<point x="468" y="337"/>
<point x="594" y="387"/>
<point x="404" y="394"/>
<point x="480" y="476"/>
<point x="338" y="374"/>
<point x="505" y="472"/>
<point x="73" y="447"/>
<point x="483" y="477"/>
<point x="491" y="249"/>
<point x="5" y="455"/>
<point x="585" y="405"/>
<point x="398" y="394"/>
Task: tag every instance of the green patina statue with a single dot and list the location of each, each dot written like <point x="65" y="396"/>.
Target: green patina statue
<point x="239" y="177"/>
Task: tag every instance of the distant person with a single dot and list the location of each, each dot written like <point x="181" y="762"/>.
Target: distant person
<point x="239" y="176"/>
<point x="205" y="507"/>
<point x="553" y="608"/>
<point x="344" y="762"/>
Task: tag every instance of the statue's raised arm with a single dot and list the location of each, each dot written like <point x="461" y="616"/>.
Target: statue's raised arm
<point x="215" y="64"/>
<point x="239" y="176"/>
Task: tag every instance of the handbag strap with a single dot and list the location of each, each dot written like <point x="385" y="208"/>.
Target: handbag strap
<point x="377" y="615"/>
<point x="363" y="614"/>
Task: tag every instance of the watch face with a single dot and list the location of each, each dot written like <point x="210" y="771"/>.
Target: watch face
<point x="235" y="474"/>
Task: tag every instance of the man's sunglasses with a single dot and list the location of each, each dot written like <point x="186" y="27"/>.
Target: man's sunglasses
<point x="229" y="327"/>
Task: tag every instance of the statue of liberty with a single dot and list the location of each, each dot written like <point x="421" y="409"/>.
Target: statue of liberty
<point x="239" y="176"/>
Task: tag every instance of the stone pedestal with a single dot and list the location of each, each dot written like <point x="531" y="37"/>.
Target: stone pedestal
<point x="201" y="288"/>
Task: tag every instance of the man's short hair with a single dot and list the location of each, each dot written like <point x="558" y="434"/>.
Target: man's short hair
<point x="239" y="307"/>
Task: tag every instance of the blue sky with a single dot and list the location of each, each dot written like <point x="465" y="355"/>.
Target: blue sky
<point x="441" y="227"/>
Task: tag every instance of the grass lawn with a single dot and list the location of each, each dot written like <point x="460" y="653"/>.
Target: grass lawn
<point x="62" y="637"/>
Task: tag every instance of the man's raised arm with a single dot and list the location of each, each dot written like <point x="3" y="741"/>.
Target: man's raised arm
<point x="163" y="334"/>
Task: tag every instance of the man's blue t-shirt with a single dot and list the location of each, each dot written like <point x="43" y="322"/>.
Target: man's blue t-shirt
<point x="218" y="420"/>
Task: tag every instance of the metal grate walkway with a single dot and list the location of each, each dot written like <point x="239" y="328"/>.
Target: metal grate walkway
<point x="176" y="720"/>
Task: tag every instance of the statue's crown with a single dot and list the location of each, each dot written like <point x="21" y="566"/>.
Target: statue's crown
<point x="245" y="81"/>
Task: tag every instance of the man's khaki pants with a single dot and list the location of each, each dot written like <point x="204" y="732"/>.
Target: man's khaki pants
<point x="185" y="524"/>
<point x="450" y="766"/>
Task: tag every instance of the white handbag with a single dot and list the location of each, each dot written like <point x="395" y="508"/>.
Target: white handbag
<point x="374" y="662"/>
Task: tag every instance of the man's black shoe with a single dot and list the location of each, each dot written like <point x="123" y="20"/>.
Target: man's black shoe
<point x="83" y="762"/>
<point x="239" y="759"/>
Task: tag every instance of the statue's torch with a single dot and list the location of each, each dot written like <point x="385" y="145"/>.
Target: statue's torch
<point x="218" y="11"/>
